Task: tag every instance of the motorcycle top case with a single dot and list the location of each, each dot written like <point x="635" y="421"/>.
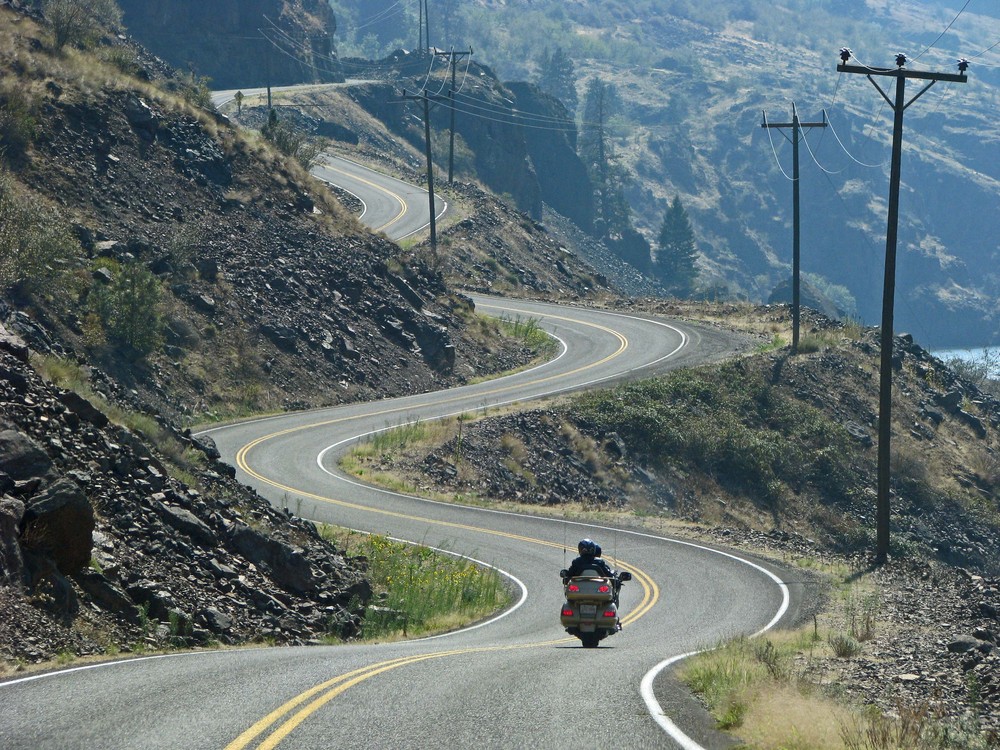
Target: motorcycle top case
<point x="592" y="589"/>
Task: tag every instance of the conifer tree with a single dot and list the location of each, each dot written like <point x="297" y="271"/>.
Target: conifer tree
<point x="677" y="251"/>
<point x="597" y="153"/>
<point x="557" y="76"/>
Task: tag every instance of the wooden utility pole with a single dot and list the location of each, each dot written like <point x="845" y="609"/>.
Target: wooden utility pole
<point x="423" y="96"/>
<point x="899" y="105"/>
<point x="424" y="22"/>
<point x="796" y="126"/>
<point x="451" y="98"/>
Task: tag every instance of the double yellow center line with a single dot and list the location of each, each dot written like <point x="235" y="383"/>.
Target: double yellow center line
<point x="291" y="714"/>
<point x="284" y="719"/>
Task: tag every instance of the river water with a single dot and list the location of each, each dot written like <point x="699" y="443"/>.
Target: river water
<point x="988" y="353"/>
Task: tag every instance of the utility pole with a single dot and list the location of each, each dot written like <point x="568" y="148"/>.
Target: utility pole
<point x="267" y="57"/>
<point x="795" y="125"/>
<point x="423" y="96"/>
<point x="899" y="105"/>
<point x="424" y="21"/>
<point x="451" y="97"/>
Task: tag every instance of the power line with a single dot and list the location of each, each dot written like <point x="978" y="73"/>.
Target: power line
<point x="946" y="28"/>
<point x="796" y="125"/>
<point x="385" y="13"/>
<point x="849" y="154"/>
<point x="774" y="151"/>
<point x="813" y="155"/>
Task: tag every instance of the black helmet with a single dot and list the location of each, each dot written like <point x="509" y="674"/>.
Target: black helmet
<point x="587" y="547"/>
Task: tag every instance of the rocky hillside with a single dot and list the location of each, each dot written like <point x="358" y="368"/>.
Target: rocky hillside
<point x="172" y="268"/>
<point x="268" y="291"/>
<point x="103" y="551"/>
<point x="694" y="79"/>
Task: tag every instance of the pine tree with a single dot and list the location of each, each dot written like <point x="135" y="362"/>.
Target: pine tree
<point x="557" y="76"/>
<point x="677" y="251"/>
<point x="597" y="153"/>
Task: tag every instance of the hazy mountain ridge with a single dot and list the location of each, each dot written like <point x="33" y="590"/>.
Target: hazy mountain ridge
<point x="696" y="80"/>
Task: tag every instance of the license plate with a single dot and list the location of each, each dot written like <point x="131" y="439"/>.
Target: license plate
<point x="588" y="610"/>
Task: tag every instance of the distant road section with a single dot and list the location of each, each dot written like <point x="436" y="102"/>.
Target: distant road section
<point x="396" y="208"/>
<point x="393" y="207"/>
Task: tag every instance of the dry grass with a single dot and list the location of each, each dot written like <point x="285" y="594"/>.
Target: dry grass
<point x="783" y="718"/>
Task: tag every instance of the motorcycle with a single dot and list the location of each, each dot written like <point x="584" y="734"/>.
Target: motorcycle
<point x="591" y="609"/>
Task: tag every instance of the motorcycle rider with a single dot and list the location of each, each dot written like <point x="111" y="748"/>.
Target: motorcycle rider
<point x="589" y="559"/>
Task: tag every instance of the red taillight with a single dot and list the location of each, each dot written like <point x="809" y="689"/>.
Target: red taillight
<point x="574" y="587"/>
<point x="567" y="612"/>
<point x="610" y="613"/>
<point x="604" y="588"/>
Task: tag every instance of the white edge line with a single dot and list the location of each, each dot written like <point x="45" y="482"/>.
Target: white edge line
<point x="115" y="663"/>
<point x="321" y="409"/>
<point x="119" y="662"/>
<point x="646" y="686"/>
<point x="444" y="210"/>
<point x="364" y="206"/>
<point x="409" y="186"/>
<point x="501" y="571"/>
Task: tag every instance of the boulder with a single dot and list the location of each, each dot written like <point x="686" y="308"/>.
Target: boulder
<point x="50" y="589"/>
<point x="963" y="643"/>
<point x="214" y="620"/>
<point x="287" y="566"/>
<point x="106" y="595"/>
<point x="17" y="380"/>
<point x="13" y="344"/>
<point x="187" y="523"/>
<point x="82" y="408"/>
<point x="206" y="445"/>
<point x="21" y="457"/>
<point x="59" y="523"/>
<point x="154" y="597"/>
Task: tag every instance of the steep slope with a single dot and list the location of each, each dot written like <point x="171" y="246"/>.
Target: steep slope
<point x="171" y="269"/>
<point x="776" y="452"/>
<point x="103" y="551"/>
<point x="271" y="295"/>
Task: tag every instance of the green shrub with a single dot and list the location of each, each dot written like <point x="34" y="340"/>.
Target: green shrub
<point x="32" y="239"/>
<point x="747" y="435"/>
<point x="844" y="646"/>
<point x="80" y="22"/>
<point x="195" y="89"/>
<point x="291" y="141"/>
<point x="127" y="309"/>
<point x="123" y="59"/>
<point x="18" y="124"/>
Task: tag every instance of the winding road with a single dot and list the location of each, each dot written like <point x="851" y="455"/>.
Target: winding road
<point x="515" y="681"/>
<point x="396" y="208"/>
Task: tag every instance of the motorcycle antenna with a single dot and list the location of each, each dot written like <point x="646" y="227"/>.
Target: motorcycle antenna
<point x="564" y="541"/>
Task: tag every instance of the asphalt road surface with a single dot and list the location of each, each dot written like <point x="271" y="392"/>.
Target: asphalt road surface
<point x="515" y="681"/>
<point x="396" y="208"/>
